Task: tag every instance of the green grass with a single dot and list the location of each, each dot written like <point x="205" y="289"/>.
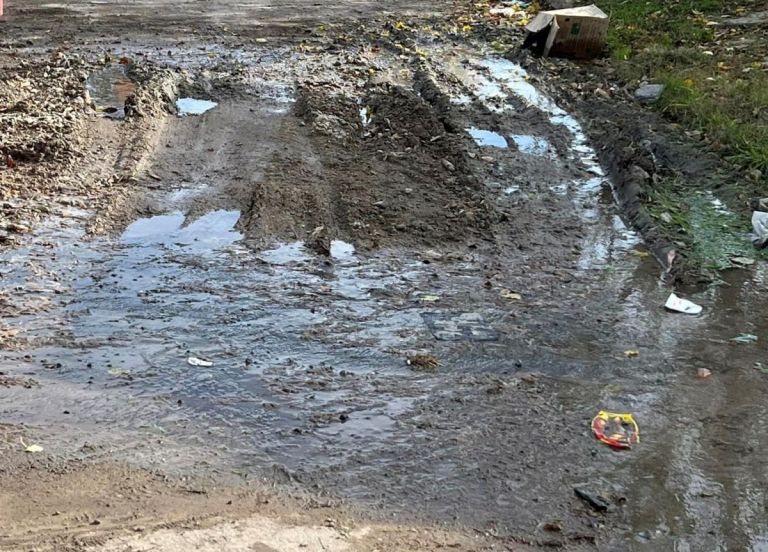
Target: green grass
<point x="717" y="91"/>
<point x="711" y="236"/>
<point x="712" y="87"/>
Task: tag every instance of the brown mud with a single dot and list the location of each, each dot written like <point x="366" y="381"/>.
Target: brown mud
<point x="370" y="300"/>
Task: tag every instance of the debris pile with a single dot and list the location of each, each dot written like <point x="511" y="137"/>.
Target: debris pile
<point x="41" y="109"/>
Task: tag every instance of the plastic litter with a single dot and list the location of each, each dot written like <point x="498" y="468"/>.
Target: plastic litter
<point x="632" y="353"/>
<point x="31" y="448"/>
<point x="760" y="226"/>
<point x="678" y="304"/>
<point x="194" y="361"/>
<point x="616" y="430"/>
<point x="510" y="295"/>
<point x="745" y="338"/>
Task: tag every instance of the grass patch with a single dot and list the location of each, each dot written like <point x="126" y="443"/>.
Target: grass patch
<point x="710" y="233"/>
<point x="716" y="76"/>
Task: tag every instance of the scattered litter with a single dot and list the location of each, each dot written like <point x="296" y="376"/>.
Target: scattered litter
<point x="615" y="430"/>
<point x="597" y="502"/>
<point x="425" y="363"/>
<point x="649" y="93"/>
<point x="191" y="106"/>
<point x="578" y="32"/>
<point x="678" y="304"/>
<point x="118" y="373"/>
<point x="510" y="295"/>
<point x="641" y="254"/>
<point x="760" y="226"/>
<point x="430" y="298"/>
<point x="703" y="373"/>
<point x="30" y="448"/>
<point x="745" y="338"/>
<point x="760" y="367"/>
<point x="194" y="361"/>
<point x="632" y="353"/>
<point x="742" y="261"/>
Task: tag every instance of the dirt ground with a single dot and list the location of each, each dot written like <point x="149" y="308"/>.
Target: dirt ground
<point x="370" y="299"/>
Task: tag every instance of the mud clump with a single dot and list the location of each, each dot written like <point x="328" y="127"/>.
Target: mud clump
<point x="43" y="103"/>
<point x="399" y="178"/>
<point x="156" y="93"/>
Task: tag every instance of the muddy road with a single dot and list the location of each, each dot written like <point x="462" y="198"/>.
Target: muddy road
<point x="366" y="293"/>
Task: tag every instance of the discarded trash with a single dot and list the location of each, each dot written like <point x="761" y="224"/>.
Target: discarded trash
<point x="703" y="373"/>
<point x="578" y="32"/>
<point x="745" y="338"/>
<point x="510" y="295"/>
<point x="649" y="93"/>
<point x="597" y="502"/>
<point x="615" y="430"/>
<point x="760" y="226"/>
<point x="426" y="363"/>
<point x="430" y="298"/>
<point x="31" y="448"/>
<point x="678" y="304"/>
<point x="760" y="367"/>
<point x="632" y="353"/>
<point x="119" y="373"/>
<point x="191" y="106"/>
<point x="742" y="261"/>
<point x="194" y="361"/>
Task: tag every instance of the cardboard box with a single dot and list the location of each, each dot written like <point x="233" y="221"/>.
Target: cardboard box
<point x="574" y="32"/>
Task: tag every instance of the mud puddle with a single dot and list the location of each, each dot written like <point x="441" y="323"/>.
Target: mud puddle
<point x="109" y="87"/>
<point x="309" y="382"/>
<point x="192" y="106"/>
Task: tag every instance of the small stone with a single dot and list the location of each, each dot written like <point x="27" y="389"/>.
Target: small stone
<point x="649" y="93"/>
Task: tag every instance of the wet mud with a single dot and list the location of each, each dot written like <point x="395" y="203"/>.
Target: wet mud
<point x="328" y="218"/>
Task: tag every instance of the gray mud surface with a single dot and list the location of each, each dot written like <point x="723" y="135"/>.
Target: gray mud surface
<point x="402" y="265"/>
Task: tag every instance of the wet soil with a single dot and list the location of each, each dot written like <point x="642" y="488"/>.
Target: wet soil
<point x="370" y="300"/>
